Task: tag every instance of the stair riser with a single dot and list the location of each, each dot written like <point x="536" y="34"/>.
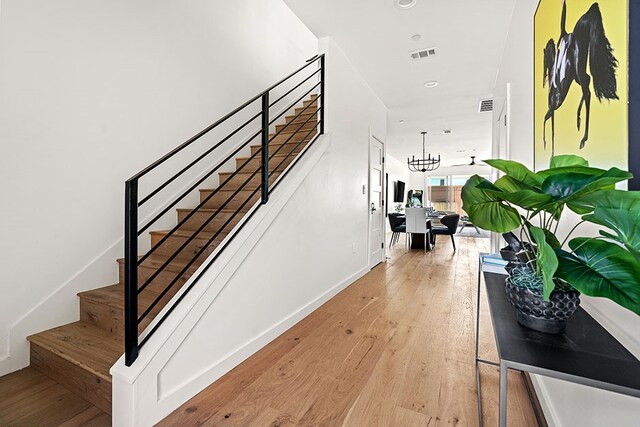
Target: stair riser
<point x="288" y="138"/>
<point x="106" y="317"/>
<point x="222" y="196"/>
<point x="286" y="148"/>
<point x="215" y="224"/>
<point x="255" y="163"/>
<point x="302" y="117"/>
<point x="298" y="127"/>
<point x="85" y="384"/>
<point x="162" y="280"/>
<point x="242" y="178"/>
<point x="173" y="243"/>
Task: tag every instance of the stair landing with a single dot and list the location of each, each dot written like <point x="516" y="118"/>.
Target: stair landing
<point x="30" y="398"/>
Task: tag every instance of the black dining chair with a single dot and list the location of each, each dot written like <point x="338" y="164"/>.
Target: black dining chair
<point x="398" y="225"/>
<point x="448" y="228"/>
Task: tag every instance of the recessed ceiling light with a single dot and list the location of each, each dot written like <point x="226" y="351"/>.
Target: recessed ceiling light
<point x="432" y="83"/>
<point x="405" y="4"/>
<point x="400" y="121"/>
<point x="416" y="37"/>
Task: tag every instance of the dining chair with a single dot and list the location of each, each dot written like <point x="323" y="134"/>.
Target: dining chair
<point x="397" y="225"/>
<point x="448" y="228"/>
<point x="417" y="223"/>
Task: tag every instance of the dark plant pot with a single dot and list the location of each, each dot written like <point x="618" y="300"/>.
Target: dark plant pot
<point x="508" y="254"/>
<point x="542" y="316"/>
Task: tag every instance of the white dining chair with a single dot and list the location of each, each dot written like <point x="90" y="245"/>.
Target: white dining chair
<point x="417" y="223"/>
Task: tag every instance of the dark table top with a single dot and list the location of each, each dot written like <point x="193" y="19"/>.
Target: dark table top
<point x="586" y="353"/>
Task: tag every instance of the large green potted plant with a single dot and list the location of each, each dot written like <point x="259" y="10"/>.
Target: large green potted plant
<point x="550" y="270"/>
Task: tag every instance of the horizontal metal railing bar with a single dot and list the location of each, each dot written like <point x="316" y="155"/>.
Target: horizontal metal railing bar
<point x="195" y="185"/>
<point x="291" y="90"/>
<point x="294" y="133"/>
<point x="189" y="215"/>
<point x="313" y="58"/>
<point x="295" y="160"/>
<point x="201" y="251"/>
<point x="231" y="236"/>
<point x="215" y="124"/>
<point x="202" y="156"/>
<point x="297" y="115"/>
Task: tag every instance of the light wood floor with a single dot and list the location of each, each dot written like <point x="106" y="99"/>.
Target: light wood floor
<point x="396" y="348"/>
<point x="29" y="398"/>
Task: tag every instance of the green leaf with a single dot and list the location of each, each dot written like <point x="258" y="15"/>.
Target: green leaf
<point x="520" y="194"/>
<point x="626" y="224"/>
<point x="602" y="269"/>
<point x="509" y="184"/>
<point x="564" y="185"/>
<point x="517" y="171"/>
<point x="546" y="260"/>
<point x="549" y="237"/>
<point x="570" y="186"/>
<point x="567" y="160"/>
<point x="544" y="174"/>
<point x="486" y="209"/>
<point x="611" y="199"/>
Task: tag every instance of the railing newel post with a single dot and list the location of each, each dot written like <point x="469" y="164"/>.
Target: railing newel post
<point x="264" y="164"/>
<point x="322" y="63"/>
<point x="131" y="271"/>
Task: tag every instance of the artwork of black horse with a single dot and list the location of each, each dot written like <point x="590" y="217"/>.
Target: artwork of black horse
<point x="567" y="63"/>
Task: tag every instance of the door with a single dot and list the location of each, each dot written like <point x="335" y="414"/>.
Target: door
<point x="376" y="202"/>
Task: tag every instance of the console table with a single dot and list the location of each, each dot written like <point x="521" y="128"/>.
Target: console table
<point x="585" y="354"/>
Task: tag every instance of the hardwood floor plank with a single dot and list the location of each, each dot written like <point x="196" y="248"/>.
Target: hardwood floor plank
<point x="395" y="348"/>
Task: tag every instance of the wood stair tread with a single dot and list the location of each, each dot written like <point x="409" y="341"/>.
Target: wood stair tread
<point x="271" y="156"/>
<point x="204" y="234"/>
<point x="113" y="296"/>
<point x="176" y="265"/>
<point x="83" y="345"/>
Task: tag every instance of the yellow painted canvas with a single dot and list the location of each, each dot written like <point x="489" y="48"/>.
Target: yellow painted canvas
<point x="581" y="81"/>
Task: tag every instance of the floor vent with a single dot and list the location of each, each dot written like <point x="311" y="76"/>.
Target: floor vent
<point x="423" y="53"/>
<point x="485" y="105"/>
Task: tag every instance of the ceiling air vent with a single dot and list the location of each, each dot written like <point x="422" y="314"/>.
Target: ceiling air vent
<point x="486" y="105"/>
<point x="423" y="53"/>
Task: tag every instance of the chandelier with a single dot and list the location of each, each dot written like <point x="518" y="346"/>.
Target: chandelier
<point x="426" y="163"/>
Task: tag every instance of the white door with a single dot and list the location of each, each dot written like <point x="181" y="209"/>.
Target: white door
<point x="376" y="202"/>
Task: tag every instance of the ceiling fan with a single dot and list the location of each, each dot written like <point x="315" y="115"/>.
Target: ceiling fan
<point x="473" y="163"/>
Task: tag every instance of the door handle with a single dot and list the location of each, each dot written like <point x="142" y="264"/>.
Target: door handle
<point x="373" y="207"/>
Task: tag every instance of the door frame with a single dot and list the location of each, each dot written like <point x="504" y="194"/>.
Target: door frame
<point x="371" y="262"/>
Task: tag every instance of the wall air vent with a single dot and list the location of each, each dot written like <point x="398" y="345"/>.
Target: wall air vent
<point x="423" y="53"/>
<point x="486" y="105"/>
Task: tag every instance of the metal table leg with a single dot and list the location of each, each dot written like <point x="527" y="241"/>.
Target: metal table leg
<point x="503" y="394"/>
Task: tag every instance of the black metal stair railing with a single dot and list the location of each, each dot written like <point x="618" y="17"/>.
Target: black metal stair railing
<point x="133" y="229"/>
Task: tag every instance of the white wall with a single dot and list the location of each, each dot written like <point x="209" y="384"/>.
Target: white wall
<point x="397" y="171"/>
<point x="313" y="248"/>
<point x="90" y="93"/>
<point x="566" y="404"/>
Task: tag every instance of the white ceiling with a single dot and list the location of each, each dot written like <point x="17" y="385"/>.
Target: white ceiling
<point x="469" y="36"/>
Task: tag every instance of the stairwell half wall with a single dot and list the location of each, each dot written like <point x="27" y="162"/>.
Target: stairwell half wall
<point x="90" y="93"/>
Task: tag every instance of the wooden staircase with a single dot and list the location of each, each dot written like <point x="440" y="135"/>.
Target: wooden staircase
<point x="79" y="355"/>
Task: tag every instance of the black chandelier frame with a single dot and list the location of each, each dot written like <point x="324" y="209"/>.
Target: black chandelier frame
<point x="426" y="163"/>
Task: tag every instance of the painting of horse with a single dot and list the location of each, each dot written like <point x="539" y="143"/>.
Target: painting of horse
<point x="567" y="63"/>
<point x="581" y="80"/>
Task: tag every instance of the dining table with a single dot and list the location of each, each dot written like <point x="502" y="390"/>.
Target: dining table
<point x="418" y="240"/>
